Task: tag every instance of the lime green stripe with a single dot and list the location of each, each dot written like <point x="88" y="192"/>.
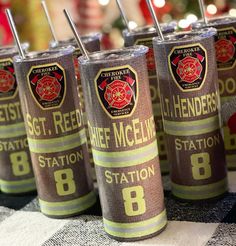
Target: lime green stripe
<point x="193" y="132"/>
<point x="231" y="157"/>
<point x="192" y="123"/>
<point x="19" y="182"/>
<point x="12" y="130"/>
<point x="126" y="158"/>
<point x="152" y="76"/>
<point x="156" y="109"/>
<point x="12" y="126"/>
<point x="57" y="144"/>
<point x="68" y="211"/>
<point x="68" y="207"/>
<point x="192" y="127"/>
<point x="200" y="192"/>
<point x="213" y="194"/>
<point x="125" y="163"/>
<point x="231" y="161"/>
<point x="57" y="140"/>
<point x="136" y="229"/>
<point x="58" y="149"/>
<point x="19" y="190"/>
<point x="135" y="224"/>
<point x="137" y="234"/>
<point x="125" y="153"/>
<point x="226" y="99"/>
<point x="67" y="203"/>
<point x="15" y="187"/>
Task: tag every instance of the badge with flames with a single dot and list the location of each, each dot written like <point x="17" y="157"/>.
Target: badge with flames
<point x="225" y="45"/>
<point x="150" y="55"/>
<point x="8" y="85"/>
<point x="47" y="85"/>
<point x="117" y="91"/>
<point x="188" y="66"/>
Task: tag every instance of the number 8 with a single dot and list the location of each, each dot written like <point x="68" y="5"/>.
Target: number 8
<point x="65" y="183"/>
<point x="131" y="201"/>
<point x="200" y="162"/>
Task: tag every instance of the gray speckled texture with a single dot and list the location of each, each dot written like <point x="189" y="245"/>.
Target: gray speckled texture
<point x="225" y="235"/>
<point x="83" y="230"/>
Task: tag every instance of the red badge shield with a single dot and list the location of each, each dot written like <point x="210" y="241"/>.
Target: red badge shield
<point x="189" y="69"/>
<point x="150" y="55"/>
<point x="118" y="94"/>
<point x="225" y="44"/>
<point x="48" y="88"/>
<point x="188" y="66"/>
<point x="7" y="79"/>
<point x="47" y="85"/>
<point x="117" y="91"/>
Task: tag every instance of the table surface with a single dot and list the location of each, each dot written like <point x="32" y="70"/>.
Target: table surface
<point x="202" y="223"/>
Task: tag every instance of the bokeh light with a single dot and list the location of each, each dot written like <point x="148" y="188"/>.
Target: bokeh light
<point x="159" y="3"/>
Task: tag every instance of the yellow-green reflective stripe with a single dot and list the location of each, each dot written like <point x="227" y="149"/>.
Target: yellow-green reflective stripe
<point x="200" y="191"/>
<point x="226" y="99"/>
<point x="12" y="130"/>
<point x="125" y="158"/>
<point x="231" y="160"/>
<point x="152" y="76"/>
<point x="136" y="229"/>
<point x="156" y="109"/>
<point x="17" y="186"/>
<point x="192" y="127"/>
<point x="57" y="144"/>
<point x="68" y="207"/>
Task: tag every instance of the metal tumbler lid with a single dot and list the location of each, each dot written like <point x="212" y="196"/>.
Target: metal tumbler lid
<point x="108" y="56"/>
<point x="11" y="49"/>
<point x="187" y="36"/>
<point x="71" y="41"/>
<point x="165" y="27"/>
<point x="44" y="55"/>
<point x="215" y="22"/>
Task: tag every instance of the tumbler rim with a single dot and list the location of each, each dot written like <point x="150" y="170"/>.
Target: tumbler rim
<point x="71" y="41"/>
<point x="44" y="55"/>
<point x="186" y="36"/>
<point x="12" y="49"/>
<point x="150" y="29"/>
<point x="105" y="56"/>
<point x="214" y="22"/>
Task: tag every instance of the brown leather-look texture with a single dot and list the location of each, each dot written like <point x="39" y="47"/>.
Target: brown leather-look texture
<point x="91" y="43"/>
<point x="55" y="130"/>
<point x="123" y="138"/>
<point x="225" y="45"/>
<point x="189" y="95"/>
<point x="16" y="174"/>
<point x="144" y="36"/>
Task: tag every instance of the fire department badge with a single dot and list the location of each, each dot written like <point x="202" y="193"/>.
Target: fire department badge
<point x="47" y="85"/>
<point x="150" y="55"/>
<point x="117" y="91"/>
<point x="188" y="65"/>
<point x="225" y="44"/>
<point x="8" y="86"/>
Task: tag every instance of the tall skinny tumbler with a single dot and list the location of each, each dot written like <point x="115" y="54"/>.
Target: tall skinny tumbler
<point x="16" y="173"/>
<point x="225" y="46"/>
<point x="144" y="36"/>
<point x="190" y="103"/>
<point x="92" y="43"/>
<point x="124" y="146"/>
<point x="56" y="135"/>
